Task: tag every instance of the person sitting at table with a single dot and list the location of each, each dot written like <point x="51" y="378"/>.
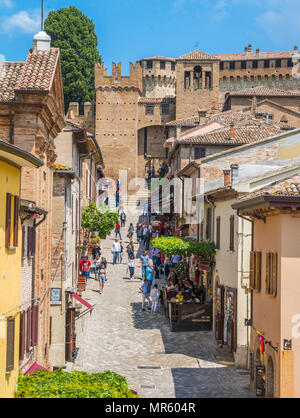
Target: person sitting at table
<point x="200" y="293"/>
<point x="192" y="298"/>
<point x="180" y="297"/>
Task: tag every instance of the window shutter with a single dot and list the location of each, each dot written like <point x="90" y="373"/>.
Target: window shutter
<point x="268" y="265"/>
<point x="10" y="344"/>
<point x="218" y="239"/>
<point x="258" y="271"/>
<point x="274" y="273"/>
<point x="208" y="224"/>
<point x="202" y="231"/>
<point x="16" y="220"/>
<point x="22" y="335"/>
<point x="31" y="242"/>
<point x="35" y="325"/>
<point x="252" y="270"/>
<point x="8" y="220"/>
<point x="28" y="334"/>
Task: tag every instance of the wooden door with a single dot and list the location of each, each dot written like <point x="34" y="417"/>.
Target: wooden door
<point x="70" y="334"/>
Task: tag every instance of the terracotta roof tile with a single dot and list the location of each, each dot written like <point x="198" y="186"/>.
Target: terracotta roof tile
<point x="285" y="188"/>
<point x="157" y="58"/>
<point x="10" y="74"/>
<point x="264" y="91"/>
<point x="242" y="135"/>
<point x="197" y="55"/>
<point x="254" y="55"/>
<point x="39" y="70"/>
<point x="34" y="75"/>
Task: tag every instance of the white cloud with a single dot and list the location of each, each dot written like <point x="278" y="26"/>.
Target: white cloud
<point x="6" y="3"/>
<point x="280" y="21"/>
<point x="22" y="22"/>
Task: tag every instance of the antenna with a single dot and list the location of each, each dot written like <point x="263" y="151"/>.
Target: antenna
<point x="42" y="17"/>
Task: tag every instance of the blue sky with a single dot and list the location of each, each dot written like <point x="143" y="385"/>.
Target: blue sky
<point x="129" y="30"/>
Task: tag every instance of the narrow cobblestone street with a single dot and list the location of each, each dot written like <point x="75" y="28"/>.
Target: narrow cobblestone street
<point x="118" y="336"/>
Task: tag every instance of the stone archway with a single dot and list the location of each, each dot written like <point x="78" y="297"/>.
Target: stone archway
<point x="270" y="379"/>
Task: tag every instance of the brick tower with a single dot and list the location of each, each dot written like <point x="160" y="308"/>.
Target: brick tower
<point x="197" y="77"/>
<point x="117" y="100"/>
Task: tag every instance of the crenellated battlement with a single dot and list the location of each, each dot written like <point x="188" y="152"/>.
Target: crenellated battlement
<point x="117" y="80"/>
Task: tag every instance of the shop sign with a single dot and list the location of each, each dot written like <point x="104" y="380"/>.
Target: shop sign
<point x="260" y="380"/>
<point x="55" y="297"/>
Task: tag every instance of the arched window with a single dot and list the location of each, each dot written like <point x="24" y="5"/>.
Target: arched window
<point x="197" y="78"/>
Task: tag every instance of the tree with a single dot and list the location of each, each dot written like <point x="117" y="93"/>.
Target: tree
<point x="101" y="220"/>
<point x="74" y="33"/>
<point x="184" y="247"/>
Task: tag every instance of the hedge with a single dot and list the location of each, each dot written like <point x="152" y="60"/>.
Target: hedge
<point x="59" y="384"/>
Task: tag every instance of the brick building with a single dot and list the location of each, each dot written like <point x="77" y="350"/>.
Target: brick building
<point x="76" y="174"/>
<point x="32" y="109"/>
<point x="133" y="113"/>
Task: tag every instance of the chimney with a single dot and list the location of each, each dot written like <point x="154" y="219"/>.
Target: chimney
<point x="295" y="48"/>
<point x="250" y="48"/>
<point x="178" y="132"/>
<point x="232" y="134"/>
<point x="41" y="42"/>
<point x="227" y="177"/>
<point x="257" y="51"/>
<point x="246" y="49"/>
<point x="234" y="172"/>
<point x="202" y="116"/>
<point x="254" y="105"/>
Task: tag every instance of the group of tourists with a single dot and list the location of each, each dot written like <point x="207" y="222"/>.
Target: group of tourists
<point x="99" y="265"/>
<point x="154" y="265"/>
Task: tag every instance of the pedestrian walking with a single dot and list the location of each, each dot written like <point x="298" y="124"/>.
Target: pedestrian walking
<point x="117" y="231"/>
<point x="97" y="264"/>
<point x="130" y="231"/>
<point x="144" y="263"/>
<point x="85" y="266"/>
<point x="120" y="258"/>
<point x="147" y="240"/>
<point x="155" y="294"/>
<point x="123" y="219"/>
<point x="139" y="233"/>
<point x="145" y="231"/>
<point x="131" y="266"/>
<point x="130" y="250"/>
<point x="145" y="295"/>
<point x="115" y="249"/>
<point x="149" y="275"/>
<point x="104" y="262"/>
<point x="102" y="277"/>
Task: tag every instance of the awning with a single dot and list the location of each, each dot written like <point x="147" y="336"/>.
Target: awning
<point x="30" y="368"/>
<point x="83" y="302"/>
<point x="181" y="228"/>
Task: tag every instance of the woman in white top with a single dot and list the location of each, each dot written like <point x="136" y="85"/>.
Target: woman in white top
<point x="102" y="277"/>
<point x="155" y="293"/>
<point x="131" y="265"/>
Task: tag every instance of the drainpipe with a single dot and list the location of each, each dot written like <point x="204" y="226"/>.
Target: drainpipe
<point x="244" y="287"/>
<point x="35" y="226"/>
